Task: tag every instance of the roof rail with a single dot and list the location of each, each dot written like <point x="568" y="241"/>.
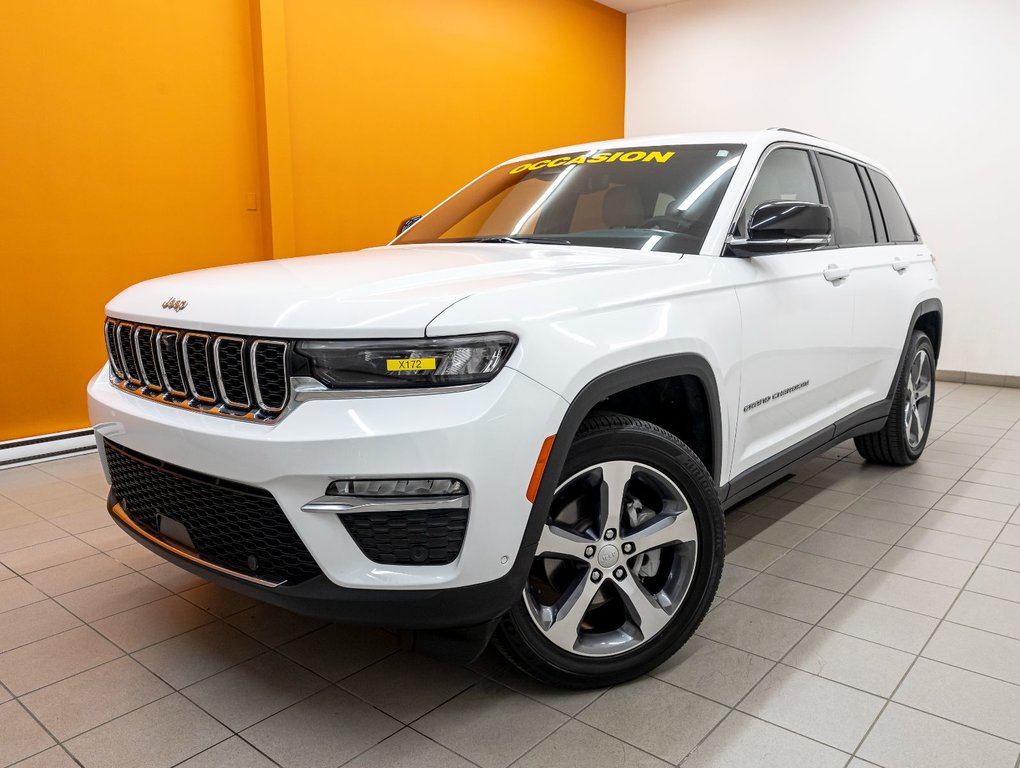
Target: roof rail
<point x="792" y="130"/>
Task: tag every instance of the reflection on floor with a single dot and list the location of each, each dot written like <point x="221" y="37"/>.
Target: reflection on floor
<point x="864" y="612"/>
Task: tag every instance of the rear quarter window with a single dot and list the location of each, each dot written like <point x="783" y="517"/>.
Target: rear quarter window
<point x="897" y="220"/>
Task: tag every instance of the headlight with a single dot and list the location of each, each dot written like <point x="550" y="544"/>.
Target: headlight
<point x="441" y="362"/>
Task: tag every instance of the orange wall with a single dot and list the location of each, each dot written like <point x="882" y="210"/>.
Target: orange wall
<point x="127" y="149"/>
<point x="396" y="104"/>
<point x="134" y="133"/>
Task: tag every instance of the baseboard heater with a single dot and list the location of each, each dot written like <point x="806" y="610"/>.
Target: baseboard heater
<point x="29" y="450"/>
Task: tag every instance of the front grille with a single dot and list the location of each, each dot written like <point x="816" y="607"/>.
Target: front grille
<point x="232" y="525"/>
<point x="408" y="538"/>
<point x="235" y="376"/>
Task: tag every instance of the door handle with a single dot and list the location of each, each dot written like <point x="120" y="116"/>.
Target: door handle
<point x="834" y="273"/>
<point x="899" y="265"/>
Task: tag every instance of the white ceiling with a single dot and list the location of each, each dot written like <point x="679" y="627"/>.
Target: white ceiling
<point x="634" y="5"/>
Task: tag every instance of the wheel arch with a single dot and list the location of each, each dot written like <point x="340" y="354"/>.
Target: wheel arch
<point x="927" y="317"/>
<point x="688" y="375"/>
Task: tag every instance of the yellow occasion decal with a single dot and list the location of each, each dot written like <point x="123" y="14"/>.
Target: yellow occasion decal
<point x="411" y="364"/>
<point x="620" y="156"/>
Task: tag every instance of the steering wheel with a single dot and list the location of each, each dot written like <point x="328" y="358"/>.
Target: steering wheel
<point x="662" y="222"/>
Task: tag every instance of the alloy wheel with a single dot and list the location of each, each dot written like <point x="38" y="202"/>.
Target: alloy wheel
<point x="918" y="398"/>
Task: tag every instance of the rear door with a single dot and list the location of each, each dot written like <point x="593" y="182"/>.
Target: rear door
<point x="796" y="313"/>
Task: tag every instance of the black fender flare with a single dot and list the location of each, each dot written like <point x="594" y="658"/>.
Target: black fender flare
<point x="925" y="307"/>
<point x="596" y="391"/>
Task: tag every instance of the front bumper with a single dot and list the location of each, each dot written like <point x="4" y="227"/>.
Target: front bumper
<point x="488" y="437"/>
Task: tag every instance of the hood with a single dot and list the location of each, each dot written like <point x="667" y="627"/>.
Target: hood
<point x="388" y="291"/>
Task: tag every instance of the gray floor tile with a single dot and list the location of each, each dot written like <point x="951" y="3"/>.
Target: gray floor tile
<point x="338" y="650"/>
<point x="566" y="700"/>
<point x="846" y="548"/>
<point x="812" y="706"/>
<point x="948" y="544"/>
<point x="746" y="742"/>
<point x="713" y="670"/>
<point x="199" y="654"/>
<point x="579" y="744"/>
<point x="659" y="718"/>
<point x="971" y="490"/>
<point x="901" y="494"/>
<point x="733" y="578"/>
<point x="906" y="738"/>
<point x="34" y="622"/>
<point x="47" y="554"/>
<point x="974" y="649"/>
<point x="22" y="735"/>
<point x="987" y="510"/>
<point x="490" y="725"/>
<point x="148" y="624"/>
<point x="999" y="555"/>
<point x="754" y="630"/>
<point x="217" y="600"/>
<point x="106" y="538"/>
<point x="965" y="525"/>
<point x="858" y="663"/>
<point x="243" y="695"/>
<point x="996" y="582"/>
<point x="322" y="731"/>
<point x="771" y="531"/>
<point x="232" y="753"/>
<point x="888" y="511"/>
<point x="756" y="555"/>
<point x="407" y="685"/>
<point x="158" y="735"/>
<point x="821" y="497"/>
<point x="46" y="661"/>
<point x="68" y="577"/>
<point x="868" y="528"/>
<point x="54" y="757"/>
<point x="988" y="613"/>
<point x="787" y="598"/>
<point x="79" y="703"/>
<point x="136" y="557"/>
<point x="173" y="578"/>
<point x="15" y="593"/>
<point x="1010" y="535"/>
<point x="29" y="535"/>
<point x="110" y="597"/>
<point x="926" y="566"/>
<point x="798" y="513"/>
<point x="926" y="466"/>
<point x="881" y="624"/>
<point x="920" y="482"/>
<point x="907" y="593"/>
<point x="964" y="697"/>
<point x="818" y="571"/>
<point x="408" y="749"/>
<point x="273" y="626"/>
<point x="15" y="516"/>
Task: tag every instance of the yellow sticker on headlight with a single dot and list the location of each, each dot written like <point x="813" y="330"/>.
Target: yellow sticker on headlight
<point x="411" y="364"/>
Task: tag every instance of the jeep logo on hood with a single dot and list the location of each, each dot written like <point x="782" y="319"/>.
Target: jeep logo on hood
<point x="175" y="304"/>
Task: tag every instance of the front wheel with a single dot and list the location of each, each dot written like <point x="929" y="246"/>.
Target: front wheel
<point x="628" y="562"/>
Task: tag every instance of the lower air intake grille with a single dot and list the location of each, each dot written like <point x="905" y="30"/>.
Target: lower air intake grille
<point x="409" y="538"/>
<point x="232" y="525"/>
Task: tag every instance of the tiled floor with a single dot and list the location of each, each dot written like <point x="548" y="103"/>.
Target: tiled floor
<point x="867" y="616"/>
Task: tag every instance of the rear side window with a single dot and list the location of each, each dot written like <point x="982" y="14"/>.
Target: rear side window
<point x="785" y="174"/>
<point x="897" y="222"/>
<point x="853" y="224"/>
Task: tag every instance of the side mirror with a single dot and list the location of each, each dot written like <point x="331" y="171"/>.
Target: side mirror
<point x="406" y="224"/>
<point x="783" y="225"/>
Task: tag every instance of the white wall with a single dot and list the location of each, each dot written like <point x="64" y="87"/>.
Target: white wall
<point x="928" y="88"/>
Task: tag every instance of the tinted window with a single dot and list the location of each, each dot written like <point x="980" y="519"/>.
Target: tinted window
<point x="852" y="217"/>
<point x="897" y="222"/>
<point x="786" y="174"/>
<point x="876" y="212"/>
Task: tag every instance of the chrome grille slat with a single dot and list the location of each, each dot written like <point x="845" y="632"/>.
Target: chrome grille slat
<point x="148" y="372"/>
<point x="228" y="359"/>
<point x="125" y="345"/>
<point x="196" y="367"/>
<point x="224" y="375"/>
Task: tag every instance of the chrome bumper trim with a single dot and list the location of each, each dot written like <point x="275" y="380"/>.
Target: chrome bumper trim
<point x="338" y="504"/>
<point x="181" y="551"/>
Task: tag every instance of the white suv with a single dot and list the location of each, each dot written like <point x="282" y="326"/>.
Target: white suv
<point x="526" y="414"/>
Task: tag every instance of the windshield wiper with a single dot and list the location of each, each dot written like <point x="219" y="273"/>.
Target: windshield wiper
<point x="525" y="240"/>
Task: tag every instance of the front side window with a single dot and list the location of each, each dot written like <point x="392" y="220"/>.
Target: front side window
<point x="643" y="198"/>
<point x="897" y="221"/>
<point x="850" y="211"/>
<point x="785" y="174"/>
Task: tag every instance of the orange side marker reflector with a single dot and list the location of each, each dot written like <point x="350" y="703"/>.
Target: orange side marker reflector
<point x="536" y="476"/>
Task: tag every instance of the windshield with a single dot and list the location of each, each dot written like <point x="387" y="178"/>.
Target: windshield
<point x="645" y="198"/>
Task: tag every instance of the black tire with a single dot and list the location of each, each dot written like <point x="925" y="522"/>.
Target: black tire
<point x="896" y="444"/>
<point x="603" y="439"/>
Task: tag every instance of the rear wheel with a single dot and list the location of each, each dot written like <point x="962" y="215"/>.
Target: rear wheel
<point x="628" y="561"/>
<point x="901" y="441"/>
